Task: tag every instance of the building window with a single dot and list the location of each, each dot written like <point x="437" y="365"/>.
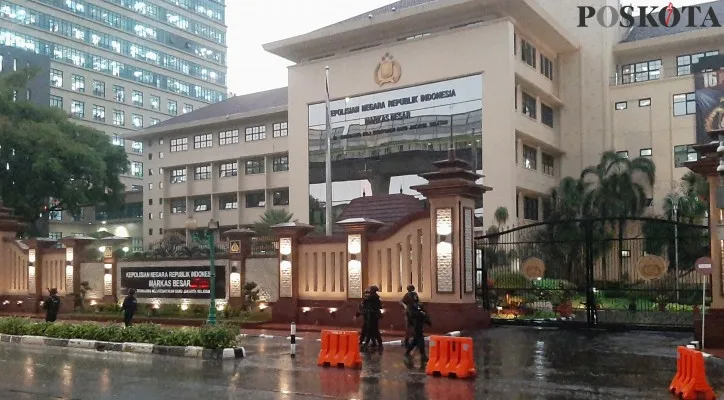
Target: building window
<point x="172" y="107"/>
<point x="202" y="204"/>
<point x="119" y="93"/>
<point x="527" y="53"/>
<point x="530" y="157"/>
<point x="118" y="140"/>
<point x="137" y="121"/>
<point x="684" y="153"/>
<point x="203" y="141"/>
<point x="641" y="72"/>
<point x="160" y="215"/>
<point x="279" y="129"/>
<point x="77" y="109"/>
<point x="529" y="106"/>
<point x="55" y="235"/>
<point x="137" y="98"/>
<point x="178" y="175"/>
<point x="202" y="172"/>
<point x="255" y="199"/>
<point x="546" y="115"/>
<point x="622" y="153"/>
<point x="228" y="202"/>
<point x="137" y="169"/>
<point x="228" y="137"/>
<point x="280" y="163"/>
<point x="645" y="152"/>
<point x="99" y="88"/>
<point x="530" y="208"/>
<point x="99" y="113"/>
<point x="137" y="147"/>
<point x="645" y="102"/>
<point x="546" y="67"/>
<point x="684" y="104"/>
<point x="154" y="121"/>
<point x="77" y="83"/>
<point x="178" y="206"/>
<point x="155" y="103"/>
<point x="56" y="215"/>
<point x="255" y="133"/>
<point x="188" y="108"/>
<point x="621" y="105"/>
<point x="255" y="166"/>
<point x="548" y="162"/>
<point x="180" y="144"/>
<point x="684" y="63"/>
<point x="229" y="169"/>
<point x="280" y="197"/>
<point x="56" y="77"/>
<point x="119" y="118"/>
<point x="56" y="101"/>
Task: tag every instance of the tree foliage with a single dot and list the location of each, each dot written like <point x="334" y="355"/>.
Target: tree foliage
<point x="270" y="218"/>
<point x="47" y="156"/>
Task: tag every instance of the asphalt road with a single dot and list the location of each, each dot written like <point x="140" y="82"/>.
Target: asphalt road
<point x="513" y="364"/>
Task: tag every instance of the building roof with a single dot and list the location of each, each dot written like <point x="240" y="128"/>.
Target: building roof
<point x="234" y="105"/>
<point x="645" y="32"/>
<point x="392" y="7"/>
<point x="386" y="208"/>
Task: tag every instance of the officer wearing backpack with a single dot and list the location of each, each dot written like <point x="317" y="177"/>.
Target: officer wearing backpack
<point x="419" y="318"/>
<point x="408" y="300"/>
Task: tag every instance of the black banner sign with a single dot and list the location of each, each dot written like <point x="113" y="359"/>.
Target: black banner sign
<point x="709" y="93"/>
<point x="173" y="282"/>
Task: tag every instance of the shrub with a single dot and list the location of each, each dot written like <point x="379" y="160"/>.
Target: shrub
<point x="13" y="326"/>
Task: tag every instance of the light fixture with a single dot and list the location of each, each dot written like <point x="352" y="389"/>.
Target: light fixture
<point x="305" y="309"/>
<point x="444" y="248"/>
<point x="69" y="254"/>
<point x="31" y="255"/>
<point x="354" y="278"/>
<point x="262" y="306"/>
<point x="125" y="249"/>
<point x="20" y="302"/>
<point x="93" y="302"/>
<point x="444" y="221"/>
<point x="625" y="253"/>
<point x="382" y="311"/>
<point x="332" y="310"/>
<point x="102" y="249"/>
<point x="107" y="284"/>
<point x="184" y="307"/>
<point x="285" y="278"/>
<point x="108" y="266"/>
<point x="354" y="244"/>
<point x="285" y="246"/>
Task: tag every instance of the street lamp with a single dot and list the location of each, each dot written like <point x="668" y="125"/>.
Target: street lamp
<point x="676" y="197"/>
<point x="208" y="235"/>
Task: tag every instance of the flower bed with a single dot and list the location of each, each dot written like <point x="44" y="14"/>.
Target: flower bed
<point x="208" y="337"/>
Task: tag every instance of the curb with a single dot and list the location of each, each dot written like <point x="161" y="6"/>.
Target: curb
<point x="397" y="342"/>
<point x="138" y="348"/>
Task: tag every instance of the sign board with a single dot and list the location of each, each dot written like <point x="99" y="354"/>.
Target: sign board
<point x="174" y="282"/>
<point x="235" y="247"/>
<point x="108" y="253"/>
<point x="703" y="265"/>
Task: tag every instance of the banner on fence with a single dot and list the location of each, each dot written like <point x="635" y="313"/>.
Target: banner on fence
<point x="174" y="282"/>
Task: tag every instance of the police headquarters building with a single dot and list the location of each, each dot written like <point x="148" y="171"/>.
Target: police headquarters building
<point x="523" y="93"/>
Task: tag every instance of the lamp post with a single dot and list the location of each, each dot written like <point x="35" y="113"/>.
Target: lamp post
<point x="208" y="235"/>
<point x="675" y="205"/>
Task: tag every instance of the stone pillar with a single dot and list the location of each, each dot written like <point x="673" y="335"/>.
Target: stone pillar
<point x="75" y="248"/>
<point x="239" y="250"/>
<point x="36" y="248"/>
<point x="286" y="308"/>
<point x="451" y="191"/>
<point x="357" y="254"/>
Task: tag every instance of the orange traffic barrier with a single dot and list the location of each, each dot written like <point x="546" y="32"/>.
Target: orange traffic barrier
<point x="690" y="381"/>
<point x="451" y="357"/>
<point x="339" y="348"/>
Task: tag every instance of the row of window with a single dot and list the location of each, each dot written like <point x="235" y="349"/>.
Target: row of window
<point x="530" y="160"/>
<point x="208" y="8"/>
<point x="652" y="69"/>
<point x="530" y="108"/>
<point x="683" y="104"/>
<point x="251" y="134"/>
<point x="230" y="201"/>
<point x="528" y="54"/>
<point x="104" y="65"/>
<point x="647" y="152"/>
<point x="114" y="44"/>
<point x="77" y="110"/>
<point x="229" y="169"/>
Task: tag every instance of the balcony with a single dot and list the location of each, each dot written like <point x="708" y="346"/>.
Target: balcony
<point x="534" y="180"/>
<point x="536" y="130"/>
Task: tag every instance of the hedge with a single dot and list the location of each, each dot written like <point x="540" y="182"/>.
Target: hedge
<point x="208" y="337"/>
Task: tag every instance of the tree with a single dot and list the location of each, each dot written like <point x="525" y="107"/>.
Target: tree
<point x="51" y="163"/>
<point x="270" y="218"/>
<point x="501" y="216"/>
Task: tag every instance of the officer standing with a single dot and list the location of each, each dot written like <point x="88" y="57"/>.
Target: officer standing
<point x="419" y="320"/>
<point x="361" y="311"/>
<point x="408" y="300"/>
<point x="374" y="312"/>
<point x="51" y="305"/>
<point x="129" y="307"/>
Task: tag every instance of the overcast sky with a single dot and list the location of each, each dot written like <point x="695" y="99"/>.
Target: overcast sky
<point x="255" y="22"/>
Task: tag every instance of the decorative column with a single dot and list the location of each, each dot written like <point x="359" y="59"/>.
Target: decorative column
<point x="357" y="257"/>
<point x="36" y="289"/>
<point x="75" y="247"/>
<point x="452" y="191"/>
<point x="239" y="250"/>
<point x="286" y="308"/>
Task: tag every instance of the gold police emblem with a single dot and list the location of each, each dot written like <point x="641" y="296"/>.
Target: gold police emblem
<point x="533" y="268"/>
<point x="388" y="70"/>
<point x="652" y="267"/>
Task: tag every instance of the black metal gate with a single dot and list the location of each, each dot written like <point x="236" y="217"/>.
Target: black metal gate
<point x="603" y="273"/>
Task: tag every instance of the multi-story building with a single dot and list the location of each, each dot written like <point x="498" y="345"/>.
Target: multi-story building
<point x="38" y="88"/>
<point x="120" y="66"/>
<point x="228" y="161"/>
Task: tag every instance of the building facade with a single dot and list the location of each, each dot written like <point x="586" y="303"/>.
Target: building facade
<point x="38" y="88"/>
<point x="228" y="161"/>
<point x="120" y="66"/>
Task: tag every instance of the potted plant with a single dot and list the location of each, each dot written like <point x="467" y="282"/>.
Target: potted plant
<point x="563" y="299"/>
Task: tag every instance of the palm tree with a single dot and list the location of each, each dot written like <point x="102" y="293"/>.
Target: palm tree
<point x="270" y="218"/>
<point x="695" y="185"/>
<point x="501" y="216"/>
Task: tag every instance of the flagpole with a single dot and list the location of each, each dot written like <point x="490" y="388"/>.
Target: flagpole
<point x="328" y="162"/>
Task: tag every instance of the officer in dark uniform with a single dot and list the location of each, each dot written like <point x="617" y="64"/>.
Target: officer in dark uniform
<point x="419" y="320"/>
<point x="408" y="300"/>
<point x="129" y="307"/>
<point x="51" y="305"/>
<point x="361" y="312"/>
<point x="373" y="310"/>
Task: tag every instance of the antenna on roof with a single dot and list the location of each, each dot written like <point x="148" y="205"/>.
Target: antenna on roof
<point x="364" y="194"/>
<point x="400" y="189"/>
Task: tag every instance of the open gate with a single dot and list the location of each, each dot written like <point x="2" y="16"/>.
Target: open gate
<point x="605" y="273"/>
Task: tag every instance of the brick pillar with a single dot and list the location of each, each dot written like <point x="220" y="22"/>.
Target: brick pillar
<point x="239" y="250"/>
<point x="357" y="254"/>
<point x="286" y="308"/>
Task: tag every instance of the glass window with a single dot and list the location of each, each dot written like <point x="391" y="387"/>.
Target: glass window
<point x="530" y="208"/>
<point x="203" y="141"/>
<point x="228" y="202"/>
<point x="645" y="152"/>
<point x="645" y="102"/>
<point x="529" y="106"/>
<point x="280" y="163"/>
<point x="56" y="101"/>
<point x="255" y="199"/>
<point x="137" y="98"/>
<point x="641" y="72"/>
<point x="137" y="169"/>
<point x="99" y="88"/>
<point x="684" y="104"/>
<point x="77" y="83"/>
<point x="202" y="172"/>
<point x="255" y="133"/>
<point x="280" y="197"/>
<point x="137" y="147"/>
<point x="137" y="121"/>
<point x="172" y="107"/>
<point x="99" y="113"/>
<point x="77" y="109"/>
<point x="684" y="63"/>
<point x="255" y="166"/>
<point x="683" y="154"/>
<point x="119" y="118"/>
<point x="119" y="93"/>
<point x="229" y="169"/>
<point x="546" y="115"/>
<point x="154" y="121"/>
<point x="56" y="77"/>
<point x="530" y="157"/>
<point x="620" y="105"/>
<point x="178" y="206"/>
<point x="202" y="204"/>
<point x="180" y="144"/>
<point x="279" y="129"/>
<point x="546" y="67"/>
<point x="155" y="103"/>
<point x="178" y="175"/>
<point x="118" y="140"/>
<point x="548" y="162"/>
<point x="622" y="153"/>
<point x="228" y="137"/>
<point x="528" y="53"/>
<point x="188" y="108"/>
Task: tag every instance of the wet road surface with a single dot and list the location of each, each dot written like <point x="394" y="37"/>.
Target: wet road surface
<point x="513" y="364"/>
